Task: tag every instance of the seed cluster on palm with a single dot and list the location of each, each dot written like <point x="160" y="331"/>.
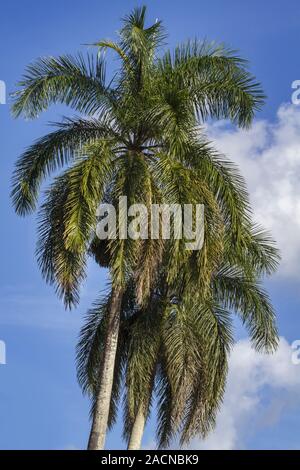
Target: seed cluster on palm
<point x="163" y="332"/>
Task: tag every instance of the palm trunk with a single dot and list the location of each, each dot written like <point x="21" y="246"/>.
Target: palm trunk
<point x="101" y="413"/>
<point x="137" y="430"/>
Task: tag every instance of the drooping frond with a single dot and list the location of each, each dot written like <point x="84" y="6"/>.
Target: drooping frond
<point x="182" y="362"/>
<point x="223" y="178"/>
<point x="50" y="153"/>
<point x="219" y="83"/>
<point x="251" y="302"/>
<point x="165" y="400"/>
<point x="259" y="251"/>
<point x="86" y="181"/>
<point x="131" y="181"/>
<point x="59" y="265"/>
<point x="73" y="81"/>
<point x="212" y="325"/>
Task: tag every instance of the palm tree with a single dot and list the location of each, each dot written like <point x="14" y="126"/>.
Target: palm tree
<point x="175" y="349"/>
<point x="136" y="136"/>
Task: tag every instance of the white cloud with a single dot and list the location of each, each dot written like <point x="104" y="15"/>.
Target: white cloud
<point x="246" y="409"/>
<point x="269" y="158"/>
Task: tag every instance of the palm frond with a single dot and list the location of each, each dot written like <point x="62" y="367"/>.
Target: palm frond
<point x="73" y="81"/>
<point x="251" y="302"/>
<point x="219" y="82"/>
<point x="213" y="325"/>
<point x="50" y="153"/>
<point x="86" y="180"/>
<point x="59" y="265"/>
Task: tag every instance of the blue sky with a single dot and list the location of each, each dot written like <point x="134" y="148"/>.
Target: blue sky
<point x="41" y="406"/>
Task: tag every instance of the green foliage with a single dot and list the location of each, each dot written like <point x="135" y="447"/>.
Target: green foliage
<point x="175" y="348"/>
<point x="141" y="136"/>
<point x="74" y="81"/>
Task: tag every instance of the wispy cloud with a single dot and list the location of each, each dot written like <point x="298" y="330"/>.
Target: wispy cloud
<point x="38" y="306"/>
<point x="26" y="307"/>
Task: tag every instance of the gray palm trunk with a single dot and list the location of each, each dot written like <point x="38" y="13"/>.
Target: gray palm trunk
<point x="137" y="430"/>
<point x="101" y="412"/>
